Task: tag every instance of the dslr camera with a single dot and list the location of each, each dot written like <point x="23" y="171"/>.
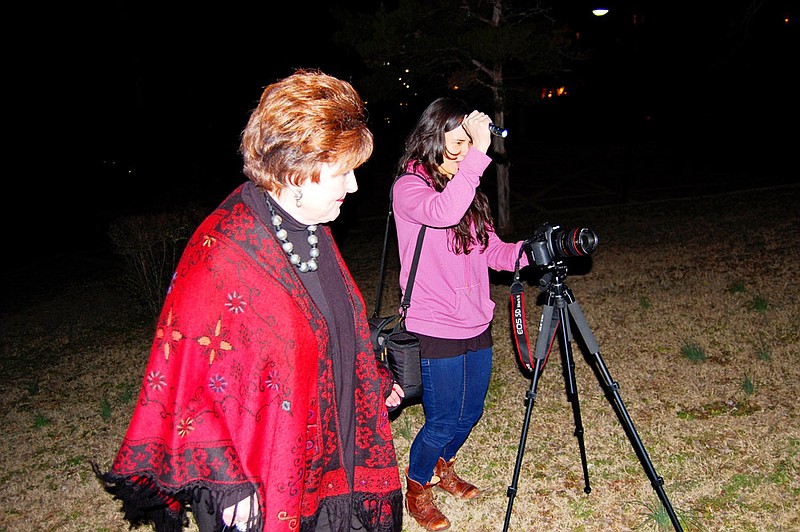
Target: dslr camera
<point x="551" y="242"/>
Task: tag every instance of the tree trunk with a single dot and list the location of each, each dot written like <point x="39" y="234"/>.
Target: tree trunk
<point x="503" y="225"/>
<point x="502" y="164"/>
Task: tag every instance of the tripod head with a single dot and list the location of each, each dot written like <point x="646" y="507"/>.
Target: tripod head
<point x="556" y="273"/>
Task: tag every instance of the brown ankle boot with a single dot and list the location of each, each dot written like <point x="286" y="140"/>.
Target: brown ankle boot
<point x="419" y="503"/>
<point x="452" y="483"/>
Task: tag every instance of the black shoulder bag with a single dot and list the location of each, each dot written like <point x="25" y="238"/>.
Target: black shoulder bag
<point x="394" y="346"/>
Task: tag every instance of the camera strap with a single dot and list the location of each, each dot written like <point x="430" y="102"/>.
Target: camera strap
<point x="518" y="321"/>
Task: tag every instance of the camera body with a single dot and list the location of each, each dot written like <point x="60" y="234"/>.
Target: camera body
<point x="551" y="242"/>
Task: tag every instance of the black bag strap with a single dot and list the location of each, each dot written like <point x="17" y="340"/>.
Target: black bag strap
<point x="413" y="272"/>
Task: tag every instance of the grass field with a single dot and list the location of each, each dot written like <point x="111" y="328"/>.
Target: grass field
<point x="693" y="302"/>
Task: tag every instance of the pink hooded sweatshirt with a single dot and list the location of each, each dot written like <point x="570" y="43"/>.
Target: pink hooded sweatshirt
<point x="450" y="297"/>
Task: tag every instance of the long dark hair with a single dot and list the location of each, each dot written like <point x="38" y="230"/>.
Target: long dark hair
<point x="424" y="148"/>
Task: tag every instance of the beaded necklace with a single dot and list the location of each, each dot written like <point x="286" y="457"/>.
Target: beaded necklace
<point x="309" y="265"/>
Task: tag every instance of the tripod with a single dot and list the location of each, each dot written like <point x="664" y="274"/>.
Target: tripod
<point x="558" y="308"/>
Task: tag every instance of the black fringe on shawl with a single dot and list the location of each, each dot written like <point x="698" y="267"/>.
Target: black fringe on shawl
<point x="143" y="504"/>
<point x="370" y="511"/>
<point x="383" y="514"/>
<point x="212" y="504"/>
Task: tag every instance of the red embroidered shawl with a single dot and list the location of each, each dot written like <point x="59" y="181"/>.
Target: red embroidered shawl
<point x="238" y="392"/>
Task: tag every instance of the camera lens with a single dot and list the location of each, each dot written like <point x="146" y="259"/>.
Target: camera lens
<point x="574" y="242"/>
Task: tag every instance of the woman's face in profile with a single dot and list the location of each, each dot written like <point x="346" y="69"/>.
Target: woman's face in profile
<point x="456" y="145"/>
<point x="322" y="201"/>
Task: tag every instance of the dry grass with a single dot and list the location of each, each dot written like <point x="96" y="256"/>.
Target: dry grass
<point x="718" y="274"/>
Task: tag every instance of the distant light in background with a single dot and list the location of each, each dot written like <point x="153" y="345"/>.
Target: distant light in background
<point x="553" y="93"/>
<point x="600" y="11"/>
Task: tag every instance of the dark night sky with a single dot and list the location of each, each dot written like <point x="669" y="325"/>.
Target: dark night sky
<point x="165" y="87"/>
<point x="126" y="101"/>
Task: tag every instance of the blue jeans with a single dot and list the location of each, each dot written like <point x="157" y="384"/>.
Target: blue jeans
<point x="454" y="390"/>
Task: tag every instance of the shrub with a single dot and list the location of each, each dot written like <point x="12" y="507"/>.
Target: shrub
<point x="150" y="246"/>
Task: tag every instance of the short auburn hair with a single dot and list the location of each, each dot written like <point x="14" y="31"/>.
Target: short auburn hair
<point x="302" y="121"/>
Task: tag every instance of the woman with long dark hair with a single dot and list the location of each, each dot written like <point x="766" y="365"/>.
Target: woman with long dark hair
<point x="451" y="309"/>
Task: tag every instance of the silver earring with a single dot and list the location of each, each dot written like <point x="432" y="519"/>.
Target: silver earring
<point x="298" y="195"/>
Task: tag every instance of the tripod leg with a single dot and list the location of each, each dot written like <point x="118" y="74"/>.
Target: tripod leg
<point x="568" y="363"/>
<point x="612" y="392"/>
<point x="529" y="398"/>
<point x="546" y="323"/>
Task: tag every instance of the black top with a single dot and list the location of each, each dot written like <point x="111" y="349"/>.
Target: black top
<point x="432" y="347"/>
<point x="328" y="292"/>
